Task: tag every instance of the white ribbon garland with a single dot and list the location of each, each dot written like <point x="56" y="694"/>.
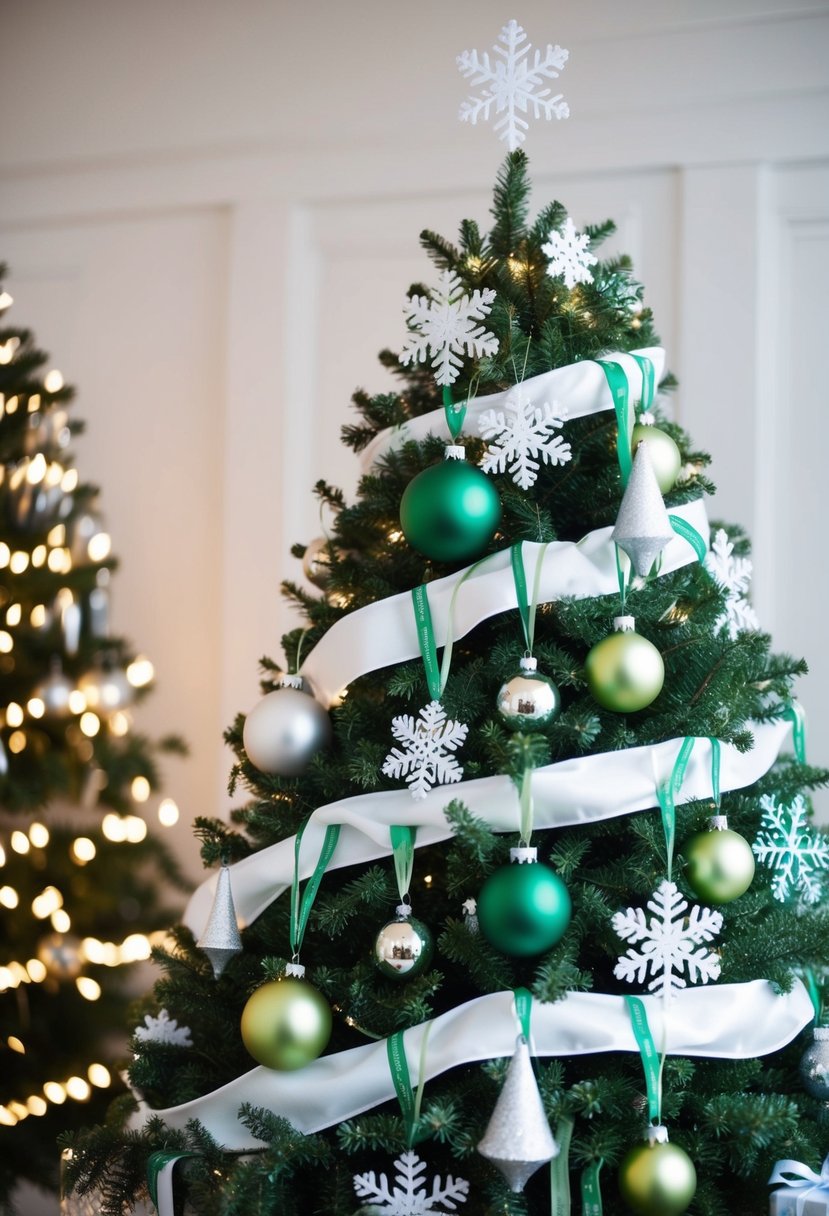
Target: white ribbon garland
<point x="385" y="633"/>
<point x="582" y="790"/>
<point x="580" y="388"/>
<point x="731" y="1021"/>
<point x="805" y="1182"/>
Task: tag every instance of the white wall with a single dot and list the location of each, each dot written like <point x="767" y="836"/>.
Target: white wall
<point x="212" y="209"/>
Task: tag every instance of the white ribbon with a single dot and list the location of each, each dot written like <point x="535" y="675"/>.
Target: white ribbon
<point x="731" y="1021"/>
<point x="580" y="388"/>
<point x="385" y="633"/>
<point x="582" y="790"/>
<point x="805" y="1181"/>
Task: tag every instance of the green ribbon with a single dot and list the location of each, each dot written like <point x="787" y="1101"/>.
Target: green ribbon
<point x="527" y="808"/>
<point x="620" y="392"/>
<point x="560" y="1169"/>
<point x="797" y="715"/>
<point x="651" y="1063"/>
<point x="527" y="608"/>
<point x="426" y="641"/>
<point x="813" y="988"/>
<point x="622" y="572"/>
<point x="688" y="532"/>
<point x="591" y="1190"/>
<point x="523" y="1010"/>
<point x="410" y="1103"/>
<point x="403" y="846"/>
<point x="455" y="412"/>
<point x="648" y="381"/>
<point x="155" y="1164"/>
<point x="301" y="910"/>
<point x="667" y="795"/>
<point x="716" y="759"/>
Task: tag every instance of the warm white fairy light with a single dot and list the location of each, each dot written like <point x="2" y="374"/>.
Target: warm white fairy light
<point x="7" y="1119"/>
<point x="55" y="1092"/>
<point x="119" y="723"/>
<point x="168" y="812"/>
<point x="17" y="742"/>
<point x="33" y="404"/>
<point x="39" y="835"/>
<point x="18" y="1110"/>
<point x="89" y="989"/>
<point x="2" y="856"/>
<point x="90" y="724"/>
<point x="57" y="537"/>
<point x="5" y="554"/>
<point x="136" y="829"/>
<point x="36" y="470"/>
<point x="99" y="1076"/>
<point x="82" y="850"/>
<point x="54" y="474"/>
<point x="9" y="898"/>
<point x="36" y="1105"/>
<point x="77" y="701"/>
<point x="6" y="642"/>
<point x="47" y="902"/>
<point x="19" y="561"/>
<point x="78" y="1088"/>
<point x="37" y="970"/>
<point x="36" y="707"/>
<point x="135" y="948"/>
<point x="53" y="381"/>
<point x="7" y="979"/>
<point x="69" y="481"/>
<point x="13" y="614"/>
<point x="140" y="789"/>
<point x="15" y="1044"/>
<point x="99" y="547"/>
<point x="5" y="300"/>
<point x="20" y="842"/>
<point x="14" y="717"/>
<point x="61" y="921"/>
<point x="114" y="828"/>
<point x="37" y="617"/>
<point x="140" y="671"/>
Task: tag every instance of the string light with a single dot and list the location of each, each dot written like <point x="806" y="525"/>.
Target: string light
<point x="47" y="902"/>
<point x="37" y="618"/>
<point x="6" y="642"/>
<point x="53" y="381"/>
<point x="55" y="1092"/>
<point x="89" y="989"/>
<point x="90" y="724"/>
<point x="78" y="1088"/>
<point x="69" y="481"/>
<point x="2" y="856"/>
<point x="36" y="470"/>
<point x="17" y="742"/>
<point x="99" y="547"/>
<point x="13" y="614"/>
<point x="99" y="1076"/>
<point x="168" y="812"/>
<point x="77" y="701"/>
<point x="140" y="671"/>
<point x="119" y="723"/>
<point x="20" y="842"/>
<point x="140" y="789"/>
<point x="36" y="1105"/>
<point x="39" y="835"/>
<point x="9" y="898"/>
<point x="37" y="970"/>
<point x="36" y="707"/>
<point x="82" y="850"/>
<point x="18" y="562"/>
<point x="14" y="717"/>
<point x="39" y="555"/>
<point x="5" y="554"/>
<point x="136" y="829"/>
<point x="16" y="1045"/>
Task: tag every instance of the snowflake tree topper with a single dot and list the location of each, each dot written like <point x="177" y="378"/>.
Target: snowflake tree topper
<point x="733" y="574"/>
<point x="409" y="1196"/>
<point x="787" y="846"/>
<point x="669" y="940"/>
<point x="524" y="435"/>
<point x="163" y="1029"/>
<point x="513" y="83"/>
<point x="428" y="743"/>
<point x="570" y="258"/>
<point x="443" y="326"/>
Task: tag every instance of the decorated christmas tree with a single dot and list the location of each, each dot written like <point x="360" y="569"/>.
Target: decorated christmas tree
<point x="81" y="880"/>
<point x="534" y="916"/>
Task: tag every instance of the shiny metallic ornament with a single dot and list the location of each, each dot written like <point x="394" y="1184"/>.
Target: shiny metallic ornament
<point x="719" y="863"/>
<point x="518" y="1139"/>
<point x="286" y="1023"/>
<point x="666" y="457"/>
<point x="55" y="691"/>
<point x="470" y="916"/>
<point x="403" y="948"/>
<point x="316" y="563"/>
<point x="221" y="940"/>
<point x="284" y="732"/>
<point x="524" y="908"/>
<point x="643" y="527"/>
<point x="33" y="503"/>
<point x="87" y="538"/>
<point x="60" y="954"/>
<point x="106" y="688"/>
<point x="47" y="431"/>
<point x="529" y="700"/>
<point x="450" y="511"/>
<point x="657" y="1178"/>
<point x="624" y="671"/>
<point x="814" y="1064"/>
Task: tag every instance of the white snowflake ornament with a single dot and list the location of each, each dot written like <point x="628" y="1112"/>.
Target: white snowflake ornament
<point x="163" y="1029"/>
<point x="428" y="743"/>
<point x="669" y="940"/>
<point x="787" y="846"/>
<point x="513" y="84"/>
<point x="444" y="326"/>
<point x="733" y="574"/>
<point x="524" y="435"/>
<point x="570" y="259"/>
<point x="408" y="1195"/>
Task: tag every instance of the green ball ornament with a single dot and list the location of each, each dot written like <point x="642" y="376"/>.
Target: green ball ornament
<point x="666" y="457"/>
<point x="624" y="671"/>
<point x="719" y="863"/>
<point x="523" y="908"/>
<point x="529" y="700"/>
<point x="657" y="1179"/>
<point x="286" y="1023"/>
<point x="403" y="948"/>
<point x="450" y="511"/>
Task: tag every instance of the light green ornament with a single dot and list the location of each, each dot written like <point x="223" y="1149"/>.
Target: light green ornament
<point x="286" y="1023"/>
<point x="657" y="1178"/>
<point x="624" y="671"/>
<point x="666" y="458"/>
<point x="450" y="511"/>
<point x="719" y="863"/>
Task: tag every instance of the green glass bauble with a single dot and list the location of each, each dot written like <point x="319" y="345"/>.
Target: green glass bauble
<point x="403" y="947"/>
<point x="450" y="511"/>
<point x="529" y="700"/>
<point x="665" y="455"/>
<point x="286" y="1024"/>
<point x="523" y="908"/>
<point x="719" y="865"/>
<point x="625" y="671"/>
<point x="657" y="1179"/>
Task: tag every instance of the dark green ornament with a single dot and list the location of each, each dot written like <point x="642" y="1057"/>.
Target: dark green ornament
<point x="524" y="908"/>
<point x="450" y="511"/>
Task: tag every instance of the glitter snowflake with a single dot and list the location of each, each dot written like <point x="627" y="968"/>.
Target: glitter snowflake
<point x="408" y="1195"/>
<point x="733" y="574"/>
<point x="525" y="433"/>
<point x="668" y="942"/>
<point x="163" y="1029"/>
<point x="787" y="846"/>
<point x="444" y="327"/>
<point x="428" y="742"/>
<point x="512" y="84"/>
<point x="569" y="256"/>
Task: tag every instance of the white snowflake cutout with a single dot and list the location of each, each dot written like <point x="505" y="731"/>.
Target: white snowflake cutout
<point x="569" y="256"/>
<point x="787" y="846"/>
<point x="443" y="326"/>
<point x="668" y="942"/>
<point x="409" y="1196"/>
<point x="525" y="433"/>
<point x="733" y="574"/>
<point x="428" y="742"/>
<point x="512" y="84"/>
<point x="163" y="1029"/>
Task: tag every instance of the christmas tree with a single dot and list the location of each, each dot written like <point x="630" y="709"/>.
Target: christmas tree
<point x="80" y="878"/>
<point x="530" y="802"/>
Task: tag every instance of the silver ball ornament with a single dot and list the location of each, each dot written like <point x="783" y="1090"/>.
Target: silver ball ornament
<point x="666" y="457"/>
<point x="60" y="954"/>
<point x="55" y="692"/>
<point x="106" y="689"/>
<point x="624" y="671"/>
<point x="316" y="563"/>
<point x="284" y="732"/>
<point x="403" y="947"/>
<point x="814" y="1064"/>
<point x="530" y="699"/>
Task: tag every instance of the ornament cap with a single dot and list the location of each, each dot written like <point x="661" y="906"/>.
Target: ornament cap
<point x="295" y="971"/>
<point x="656" y="1133"/>
<point x="470" y="906"/>
<point x="528" y="663"/>
<point x="290" y="680"/>
<point x="820" y="1034"/>
<point x="454" y="451"/>
<point x="646" y="418"/>
<point x="718" y="823"/>
<point x="403" y="911"/>
<point x="524" y="855"/>
<point x="624" y="624"/>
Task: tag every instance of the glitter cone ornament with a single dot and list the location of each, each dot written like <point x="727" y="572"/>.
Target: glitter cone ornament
<point x="518" y="1139"/>
<point x="221" y="941"/>
<point x="643" y="527"/>
<point x="814" y="1065"/>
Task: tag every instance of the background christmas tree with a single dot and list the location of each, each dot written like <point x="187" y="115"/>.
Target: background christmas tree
<point x="733" y="1116"/>
<point x="81" y="880"/>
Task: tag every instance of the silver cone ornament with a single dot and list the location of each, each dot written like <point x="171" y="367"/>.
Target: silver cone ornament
<point x="518" y="1139"/>
<point x="220" y="940"/>
<point x="643" y="527"/>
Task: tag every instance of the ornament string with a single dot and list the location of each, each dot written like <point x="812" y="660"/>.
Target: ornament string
<point x="667" y="795"/>
<point x="301" y="908"/>
<point x="813" y="989"/>
<point x="652" y="1064"/>
<point x="403" y="850"/>
<point x="160" y="1166"/>
<point x="455" y="411"/>
<point x="437" y="674"/>
<point x="648" y="381"/>
<point x="716" y="764"/>
<point x="560" y="1169"/>
<point x="591" y="1190"/>
<point x="523" y="1010"/>
<point x="689" y="533"/>
<point x="527" y="608"/>
<point x="410" y="1102"/>
<point x="620" y="392"/>
<point x="797" y="716"/>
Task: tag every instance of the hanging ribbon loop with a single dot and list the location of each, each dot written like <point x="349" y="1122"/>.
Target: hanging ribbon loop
<point x="527" y="608"/>
<point x="648" y="382"/>
<point x="560" y="1169"/>
<point x="301" y="909"/>
<point x="160" y="1167"/>
<point x="455" y="412"/>
<point x="620" y="392"/>
<point x="403" y="848"/>
<point x="797" y="716"/>
<point x="667" y="795"/>
<point x="410" y="1102"/>
<point x="591" y="1191"/>
<point x="651" y="1064"/>
<point x="523" y="1010"/>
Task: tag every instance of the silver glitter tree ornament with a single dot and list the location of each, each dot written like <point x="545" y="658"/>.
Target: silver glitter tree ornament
<point x="220" y="940"/>
<point x="518" y="1139"/>
<point x="643" y="527"/>
<point x="814" y="1064"/>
